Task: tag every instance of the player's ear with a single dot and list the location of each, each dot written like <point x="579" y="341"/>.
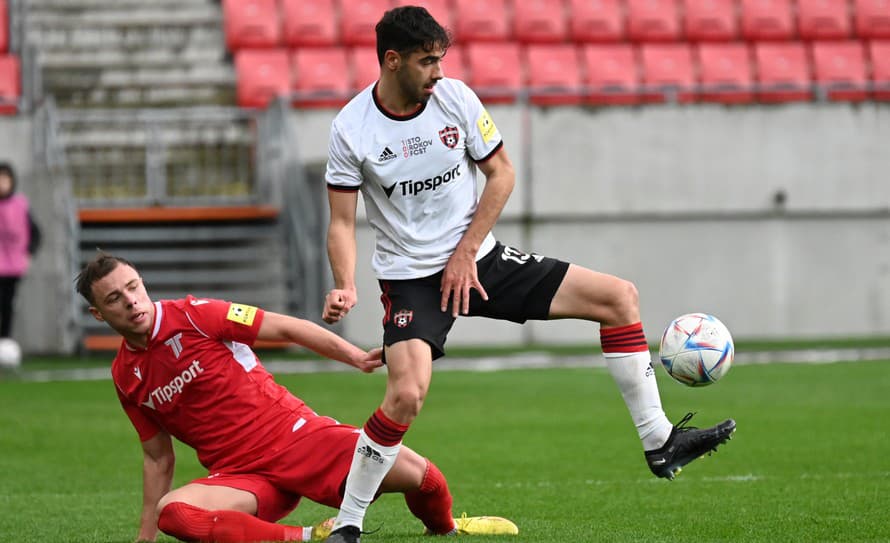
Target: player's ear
<point x="96" y="315"/>
<point x="392" y="60"/>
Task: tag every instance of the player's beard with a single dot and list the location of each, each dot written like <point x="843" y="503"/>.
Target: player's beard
<point x="412" y="90"/>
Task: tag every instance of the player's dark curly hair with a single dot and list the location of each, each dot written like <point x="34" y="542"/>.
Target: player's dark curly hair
<point x="408" y="28"/>
<point x="96" y="269"/>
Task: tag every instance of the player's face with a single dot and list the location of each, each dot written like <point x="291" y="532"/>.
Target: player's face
<point x="5" y="184"/>
<point x="120" y="299"/>
<point x="418" y="74"/>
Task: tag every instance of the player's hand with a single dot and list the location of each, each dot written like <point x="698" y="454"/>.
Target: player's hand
<point x="458" y="278"/>
<point x="337" y="304"/>
<point x="373" y="359"/>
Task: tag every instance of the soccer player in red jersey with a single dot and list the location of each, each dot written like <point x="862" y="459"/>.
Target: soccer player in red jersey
<point x="185" y="369"/>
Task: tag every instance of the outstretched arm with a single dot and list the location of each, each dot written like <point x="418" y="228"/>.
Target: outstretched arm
<point x="277" y="327"/>
<point x="341" y="253"/>
<point x="157" y="477"/>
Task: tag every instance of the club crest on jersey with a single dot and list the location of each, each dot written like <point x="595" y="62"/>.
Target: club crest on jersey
<point x="403" y="318"/>
<point x="449" y="135"/>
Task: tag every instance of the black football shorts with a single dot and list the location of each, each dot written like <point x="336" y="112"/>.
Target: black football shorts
<point x="520" y="287"/>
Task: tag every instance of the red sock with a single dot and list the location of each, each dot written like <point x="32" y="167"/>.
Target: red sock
<point x="190" y="523"/>
<point x="383" y="430"/>
<point x="624" y="339"/>
<point x="431" y="503"/>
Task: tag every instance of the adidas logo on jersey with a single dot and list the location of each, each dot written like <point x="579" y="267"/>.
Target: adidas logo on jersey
<point x="387" y="154"/>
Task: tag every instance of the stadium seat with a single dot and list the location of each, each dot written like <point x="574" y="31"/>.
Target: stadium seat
<point x="481" y="21"/>
<point x="4" y="27"/>
<point x="710" y="20"/>
<point x="783" y="73"/>
<point x="824" y="19"/>
<point x="596" y="20"/>
<point x="872" y="19"/>
<point x="668" y="73"/>
<point x="320" y="77"/>
<point x="453" y="64"/>
<point x="439" y="9"/>
<point x="540" y="21"/>
<point x="553" y="75"/>
<point x="10" y="84"/>
<point x="365" y="66"/>
<point x="358" y="19"/>
<point x="767" y="20"/>
<point x="251" y="23"/>
<point x="839" y="68"/>
<point x="309" y="22"/>
<point x="725" y="73"/>
<point x="262" y="74"/>
<point x="879" y="54"/>
<point x="610" y="74"/>
<point x="653" y="20"/>
<point x="494" y="70"/>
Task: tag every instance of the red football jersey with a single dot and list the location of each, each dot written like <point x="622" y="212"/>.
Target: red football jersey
<point x="199" y="381"/>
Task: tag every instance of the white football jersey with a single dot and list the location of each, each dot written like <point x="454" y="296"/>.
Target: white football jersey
<point x="417" y="174"/>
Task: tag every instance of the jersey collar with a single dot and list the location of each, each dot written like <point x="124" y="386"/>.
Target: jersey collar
<point x="390" y="114"/>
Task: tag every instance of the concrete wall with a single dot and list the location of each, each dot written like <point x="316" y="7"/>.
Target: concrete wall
<point x="774" y="218"/>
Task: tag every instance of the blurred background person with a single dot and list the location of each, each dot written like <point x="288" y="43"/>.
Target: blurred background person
<point x="19" y="240"/>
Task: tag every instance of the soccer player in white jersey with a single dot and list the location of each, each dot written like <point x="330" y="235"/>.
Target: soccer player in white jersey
<point x="412" y="143"/>
<point x="185" y="369"/>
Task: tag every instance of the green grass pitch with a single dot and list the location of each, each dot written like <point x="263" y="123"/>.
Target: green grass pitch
<point x="554" y="450"/>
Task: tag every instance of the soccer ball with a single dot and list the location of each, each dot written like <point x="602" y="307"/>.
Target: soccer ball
<point x="696" y="349"/>
<point x="10" y="353"/>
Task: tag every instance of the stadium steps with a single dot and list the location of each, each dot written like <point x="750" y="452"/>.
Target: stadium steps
<point x="107" y="53"/>
<point x="231" y="253"/>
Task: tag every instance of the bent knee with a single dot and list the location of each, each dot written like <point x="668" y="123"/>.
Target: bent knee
<point x="625" y="304"/>
<point x="404" y="404"/>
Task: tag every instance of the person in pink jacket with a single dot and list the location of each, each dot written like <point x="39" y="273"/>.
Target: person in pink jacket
<point x="19" y="240"/>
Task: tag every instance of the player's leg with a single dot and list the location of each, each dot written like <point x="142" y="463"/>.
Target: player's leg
<point x="224" y="514"/>
<point x="7" y="295"/>
<point x="614" y="303"/>
<point x="414" y="332"/>
<point x="409" y="370"/>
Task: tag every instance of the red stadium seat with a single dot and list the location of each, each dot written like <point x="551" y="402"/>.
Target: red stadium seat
<point x="4" y="27"/>
<point x="823" y="19"/>
<point x="320" y="77"/>
<point x="872" y="18"/>
<point x="481" y="21"/>
<point x="879" y="54"/>
<point x="667" y="72"/>
<point x="767" y="20"/>
<point x="711" y="20"/>
<point x="453" y="64"/>
<point x="439" y="9"/>
<point x="783" y="74"/>
<point x="10" y="84"/>
<point x="653" y="20"/>
<point x="365" y="66"/>
<point x="309" y="22"/>
<point x="540" y="21"/>
<point x="596" y="20"/>
<point x="494" y="70"/>
<point x="358" y="19"/>
<point x="251" y="23"/>
<point x="839" y="67"/>
<point x="610" y="73"/>
<point x="262" y="74"/>
<point x="553" y="76"/>
<point x="725" y="73"/>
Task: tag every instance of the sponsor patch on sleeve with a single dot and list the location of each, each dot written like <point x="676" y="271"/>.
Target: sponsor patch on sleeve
<point x="486" y="126"/>
<point x="242" y="314"/>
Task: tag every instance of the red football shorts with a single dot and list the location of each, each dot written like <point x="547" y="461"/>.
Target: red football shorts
<point x="312" y="461"/>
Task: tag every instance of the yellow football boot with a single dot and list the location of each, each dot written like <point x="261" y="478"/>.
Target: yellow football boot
<point x="484" y="526"/>
<point x="323" y="529"/>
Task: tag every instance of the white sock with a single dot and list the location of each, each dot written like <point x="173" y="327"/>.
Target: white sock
<point x="635" y="377"/>
<point x="370" y="464"/>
